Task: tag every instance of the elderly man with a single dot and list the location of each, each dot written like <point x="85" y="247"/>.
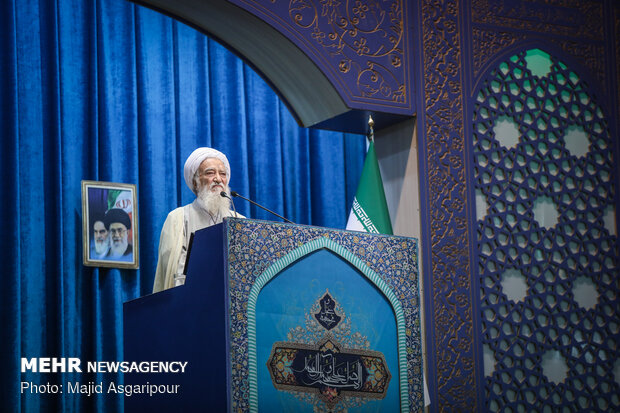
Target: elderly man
<point x="118" y="223"/>
<point x="207" y="174"/>
<point x="101" y="242"/>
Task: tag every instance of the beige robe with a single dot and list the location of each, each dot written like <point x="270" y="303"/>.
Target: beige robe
<point x="174" y="240"/>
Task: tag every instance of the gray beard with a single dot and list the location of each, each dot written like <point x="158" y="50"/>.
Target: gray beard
<point x="117" y="251"/>
<point x="213" y="202"/>
<point x="101" y="247"/>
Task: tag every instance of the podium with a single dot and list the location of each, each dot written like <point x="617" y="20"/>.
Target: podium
<point x="277" y="317"/>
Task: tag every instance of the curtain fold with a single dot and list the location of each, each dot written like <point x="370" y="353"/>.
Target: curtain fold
<point x="10" y="294"/>
<point x="107" y="90"/>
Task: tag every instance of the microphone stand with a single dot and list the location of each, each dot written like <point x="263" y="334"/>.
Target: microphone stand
<point x="235" y="194"/>
<point x="223" y="194"/>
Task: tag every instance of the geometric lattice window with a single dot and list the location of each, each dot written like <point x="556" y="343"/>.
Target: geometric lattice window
<point x="547" y="247"/>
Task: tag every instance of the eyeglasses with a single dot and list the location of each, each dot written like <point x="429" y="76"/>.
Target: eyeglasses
<point x="117" y="231"/>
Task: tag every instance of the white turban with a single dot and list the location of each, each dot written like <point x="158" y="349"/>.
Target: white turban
<point x="196" y="158"/>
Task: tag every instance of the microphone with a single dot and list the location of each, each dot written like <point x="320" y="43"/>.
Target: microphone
<point x="235" y="194"/>
<point x="223" y="194"/>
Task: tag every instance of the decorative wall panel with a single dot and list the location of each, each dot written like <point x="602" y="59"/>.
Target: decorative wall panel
<point x="362" y="46"/>
<point x="547" y="246"/>
<point x="466" y="47"/>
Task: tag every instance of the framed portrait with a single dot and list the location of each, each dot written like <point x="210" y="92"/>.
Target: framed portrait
<point x="109" y="225"/>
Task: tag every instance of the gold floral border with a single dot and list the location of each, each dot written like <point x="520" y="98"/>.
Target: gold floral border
<point x="450" y="280"/>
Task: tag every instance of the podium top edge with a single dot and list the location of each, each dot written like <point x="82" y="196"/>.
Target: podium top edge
<point x="232" y="220"/>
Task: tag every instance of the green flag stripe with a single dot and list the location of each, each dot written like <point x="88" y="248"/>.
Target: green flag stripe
<point x="363" y="218"/>
<point x="371" y="196"/>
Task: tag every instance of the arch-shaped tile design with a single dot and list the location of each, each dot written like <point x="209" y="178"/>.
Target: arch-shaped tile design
<point x="290" y="258"/>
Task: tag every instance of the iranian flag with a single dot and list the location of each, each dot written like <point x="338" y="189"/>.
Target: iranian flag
<point x="370" y="211"/>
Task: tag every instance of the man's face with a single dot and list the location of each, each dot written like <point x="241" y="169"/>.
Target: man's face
<point x="118" y="232"/>
<point x="212" y="173"/>
<point x="101" y="234"/>
<point x="101" y="237"/>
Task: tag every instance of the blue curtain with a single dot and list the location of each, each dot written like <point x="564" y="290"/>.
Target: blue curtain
<point x="110" y="91"/>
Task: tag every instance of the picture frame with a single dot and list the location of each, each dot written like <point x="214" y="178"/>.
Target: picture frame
<point x="110" y="225"/>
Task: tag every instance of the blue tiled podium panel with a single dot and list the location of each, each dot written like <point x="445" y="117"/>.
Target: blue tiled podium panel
<point x="286" y="318"/>
<point x="362" y="319"/>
